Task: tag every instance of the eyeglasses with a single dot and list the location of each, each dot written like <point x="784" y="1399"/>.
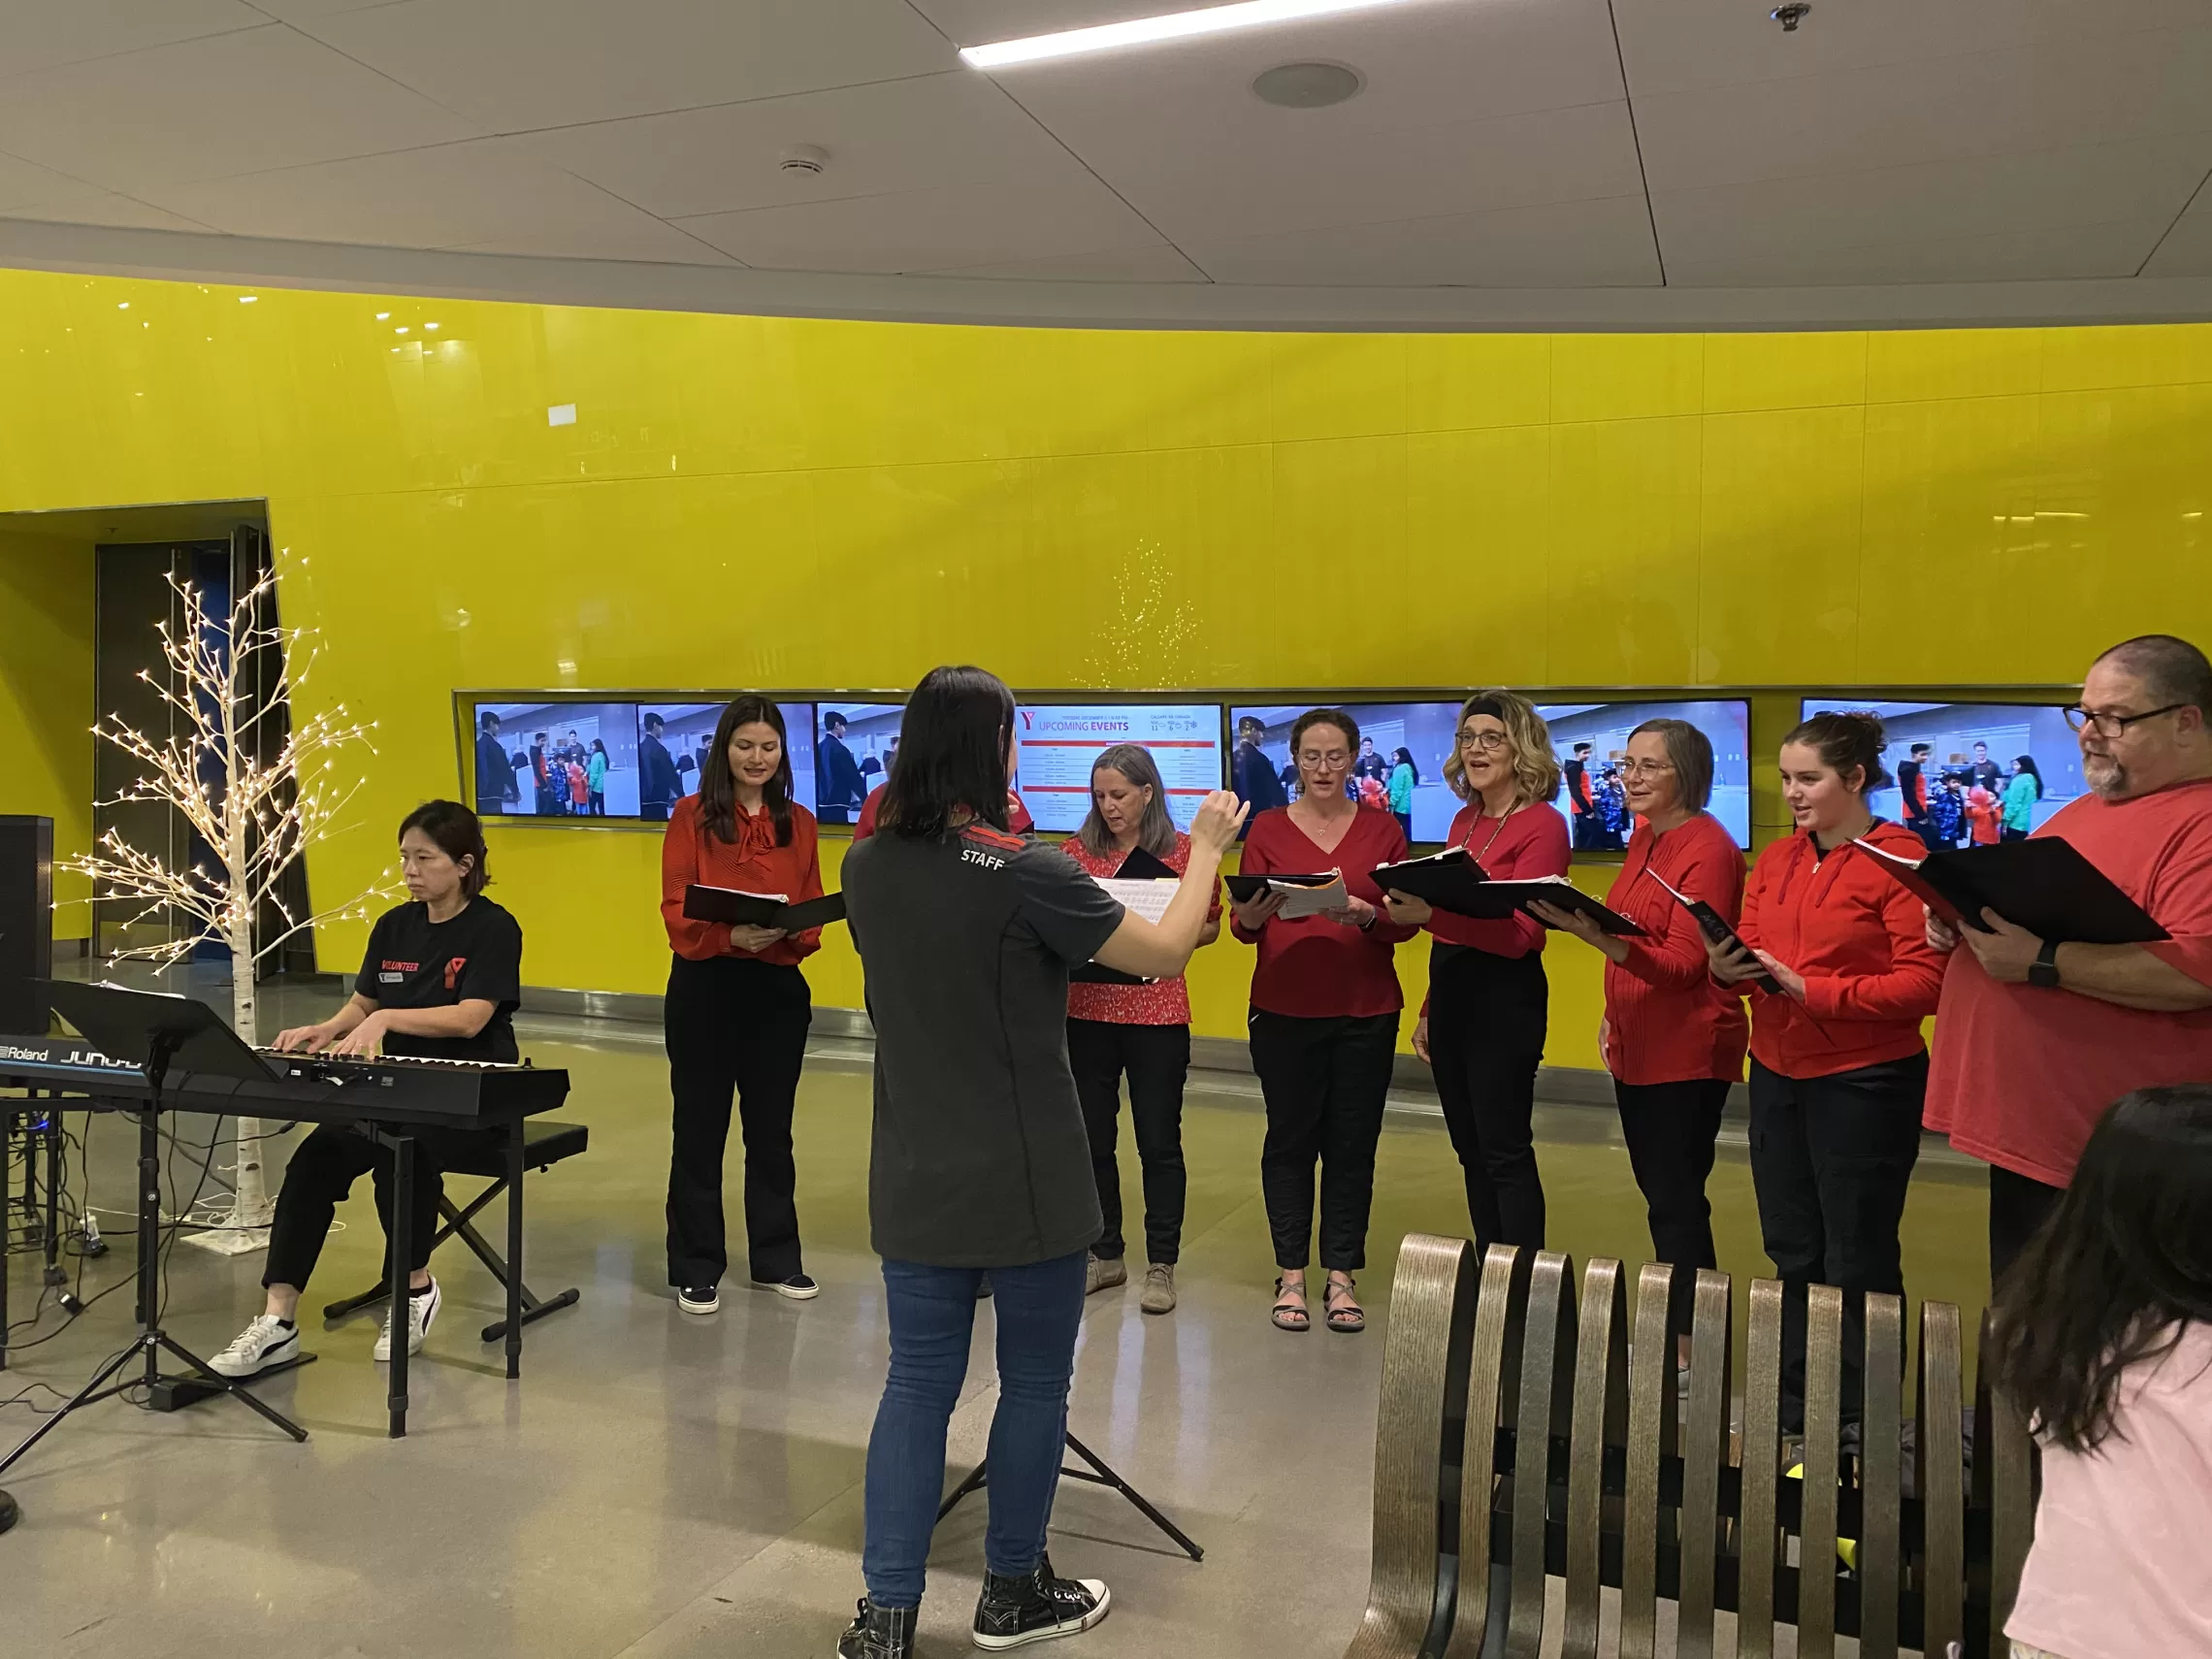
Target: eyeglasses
<point x="1647" y="769"/>
<point x="2113" y="724"/>
<point x="1314" y="758"/>
<point x="1486" y="742"/>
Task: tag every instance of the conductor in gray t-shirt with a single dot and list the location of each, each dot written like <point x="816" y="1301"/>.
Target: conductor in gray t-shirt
<point x="980" y="1161"/>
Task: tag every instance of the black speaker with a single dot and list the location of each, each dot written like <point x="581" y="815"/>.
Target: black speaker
<point x="26" y="922"/>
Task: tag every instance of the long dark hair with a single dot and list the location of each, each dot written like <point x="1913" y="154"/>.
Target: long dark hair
<point x="2123" y="1261"/>
<point x="717" y="789"/>
<point x="1403" y="757"/>
<point x="458" y="832"/>
<point x="1848" y="742"/>
<point x="2027" y="765"/>
<point x="952" y="755"/>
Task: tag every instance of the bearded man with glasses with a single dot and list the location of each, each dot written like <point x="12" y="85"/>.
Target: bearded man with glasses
<point x="2034" y="1038"/>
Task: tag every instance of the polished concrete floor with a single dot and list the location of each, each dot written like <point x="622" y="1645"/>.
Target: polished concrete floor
<point x="674" y="1487"/>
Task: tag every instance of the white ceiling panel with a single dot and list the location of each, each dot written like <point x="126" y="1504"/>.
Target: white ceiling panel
<point x="2186" y="250"/>
<point x="643" y="238"/>
<point x="1985" y="103"/>
<point x="22" y="181"/>
<point x="1314" y="173"/>
<point x="2055" y="254"/>
<point x="84" y="206"/>
<point x="929" y="230"/>
<point x="301" y="10"/>
<point x="1685" y="46"/>
<point x="2097" y="184"/>
<point x="207" y="109"/>
<point x="1157" y="264"/>
<point x="40" y="34"/>
<point x="513" y="65"/>
<point x="452" y="195"/>
<point x="984" y="23"/>
<point x="1562" y="244"/>
<point x="928" y="131"/>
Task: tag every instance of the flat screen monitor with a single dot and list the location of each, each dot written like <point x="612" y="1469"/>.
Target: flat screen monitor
<point x="537" y="759"/>
<point x="1593" y="799"/>
<point x="673" y="739"/>
<point x="1966" y="743"/>
<point x="1055" y="745"/>
<point x="855" y="746"/>
<point x="1415" y="735"/>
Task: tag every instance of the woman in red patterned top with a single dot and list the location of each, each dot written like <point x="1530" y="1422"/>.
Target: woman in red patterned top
<point x="737" y="1007"/>
<point x="1324" y="1018"/>
<point x="1489" y="1004"/>
<point x="1143" y="1029"/>
<point x="1672" y="1037"/>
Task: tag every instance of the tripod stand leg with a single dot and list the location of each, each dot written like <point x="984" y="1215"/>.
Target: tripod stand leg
<point x="1105" y="1477"/>
<point x="83" y="1396"/>
<point x="978" y="1476"/>
<point x="225" y="1385"/>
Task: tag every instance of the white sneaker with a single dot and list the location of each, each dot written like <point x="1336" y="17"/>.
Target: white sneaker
<point x="266" y="1342"/>
<point x="422" y="1308"/>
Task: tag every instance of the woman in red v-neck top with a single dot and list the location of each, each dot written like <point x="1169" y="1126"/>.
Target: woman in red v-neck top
<point x="737" y="1008"/>
<point x="1489" y="1003"/>
<point x="1672" y="1037"/>
<point x="1324" y="1018"/>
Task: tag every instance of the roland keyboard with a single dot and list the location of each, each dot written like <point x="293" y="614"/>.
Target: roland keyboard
<point x="310" y="1087"/>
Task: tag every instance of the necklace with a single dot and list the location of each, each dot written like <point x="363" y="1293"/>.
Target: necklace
<point x="1468" y="845"/>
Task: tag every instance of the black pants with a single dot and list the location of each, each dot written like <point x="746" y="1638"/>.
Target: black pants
<point x="1830" y="1160"/>
<point x="1157" y="1058"/>
<point x="2013" y="835"/>
<point x="1324" y="1081"/>
<point x="2018" y="1206"/>
<point x="1487" y="1016"/>
<point x="1670" y="1128"/>
<point x="734" y="1024"/>
<point x="323" y="1170"/>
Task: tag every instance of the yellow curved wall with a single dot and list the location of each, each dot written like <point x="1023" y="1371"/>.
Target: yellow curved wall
<point x="773" y="502"/>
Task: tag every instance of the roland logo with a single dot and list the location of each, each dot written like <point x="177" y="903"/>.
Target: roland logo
<point x="54" y="1054"/>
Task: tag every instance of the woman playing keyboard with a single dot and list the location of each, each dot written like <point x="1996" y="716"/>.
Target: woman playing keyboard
<point x="441" y="979"/>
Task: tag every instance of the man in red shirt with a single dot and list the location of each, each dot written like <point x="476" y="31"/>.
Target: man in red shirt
<point x="2034" y="1038"/>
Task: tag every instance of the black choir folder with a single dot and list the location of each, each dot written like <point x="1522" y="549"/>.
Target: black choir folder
<point x="1243" y="889"/>
<point x="1453" y="881"/>
<point x="2043" y="885"/>
<point x="702" y="903"/>
<point x="1139" y="866"/>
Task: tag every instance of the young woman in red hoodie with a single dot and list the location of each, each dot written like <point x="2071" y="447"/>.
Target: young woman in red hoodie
<point x="1838" y="1065"/>
<point x="737" y="1007"/>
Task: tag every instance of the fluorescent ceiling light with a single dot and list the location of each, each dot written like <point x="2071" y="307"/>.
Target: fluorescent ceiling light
<point x="1175" y="26"/>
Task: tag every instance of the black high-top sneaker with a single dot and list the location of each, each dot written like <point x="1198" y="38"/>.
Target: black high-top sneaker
<point x="878" y="1632"/>
<point x="1037" y="1607"/>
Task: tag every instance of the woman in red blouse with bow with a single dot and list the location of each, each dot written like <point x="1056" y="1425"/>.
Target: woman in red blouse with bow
<point x="737" y="1008"/>
<point x="1671" y="1035"/>
<point x="1489" y="1004"/>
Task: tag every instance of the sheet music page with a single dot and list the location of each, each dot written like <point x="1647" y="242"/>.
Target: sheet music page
<point x="1146" y="898"/>
<point x="1300" y="901"/>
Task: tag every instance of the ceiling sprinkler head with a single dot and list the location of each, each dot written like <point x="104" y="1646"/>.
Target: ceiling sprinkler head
<point x="803" y="158"/>
<point x="1790" y="16"/>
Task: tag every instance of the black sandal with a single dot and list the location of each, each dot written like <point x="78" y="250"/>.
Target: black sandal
<point x="1290" y="1314"/>
<point x="1348" y="1319"/>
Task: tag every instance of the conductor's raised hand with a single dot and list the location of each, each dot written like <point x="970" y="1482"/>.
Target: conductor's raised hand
<point x="1220" y="815"/>
<point x="1408" y="910"/>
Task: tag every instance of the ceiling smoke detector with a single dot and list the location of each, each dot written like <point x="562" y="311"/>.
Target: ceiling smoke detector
<point x="1307" y="85"/>
<point x="803" y="158"/>
<point x="1791" y="15"/>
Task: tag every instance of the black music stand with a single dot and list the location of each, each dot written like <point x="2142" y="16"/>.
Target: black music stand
<point x="1099" y="1474"/>
<point x="152" y="1033"/>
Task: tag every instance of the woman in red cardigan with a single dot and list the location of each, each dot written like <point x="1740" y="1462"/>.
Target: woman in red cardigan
<point x="1672" y="1038"/>
<point x="737" y="1007"/>
<point x="1324" y="1018"/>
<point x="1837" y="1066"/>
<point x="1482" y="1029"/>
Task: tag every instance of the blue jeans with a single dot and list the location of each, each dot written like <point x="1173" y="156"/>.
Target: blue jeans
<point x="1038" y="1309"/>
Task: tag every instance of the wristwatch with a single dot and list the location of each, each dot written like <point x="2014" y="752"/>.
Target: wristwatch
<point x="2044" y="969"/>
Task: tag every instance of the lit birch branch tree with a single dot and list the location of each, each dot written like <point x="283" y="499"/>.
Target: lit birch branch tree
<point x="258" y="817"/>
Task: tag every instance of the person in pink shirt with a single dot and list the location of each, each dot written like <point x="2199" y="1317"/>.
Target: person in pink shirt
<point x="2105" y="1340"/>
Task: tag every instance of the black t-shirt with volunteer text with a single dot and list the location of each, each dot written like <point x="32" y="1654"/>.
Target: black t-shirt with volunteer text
<point x="979" y="1158"/>
<point x="475" y="956"/>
